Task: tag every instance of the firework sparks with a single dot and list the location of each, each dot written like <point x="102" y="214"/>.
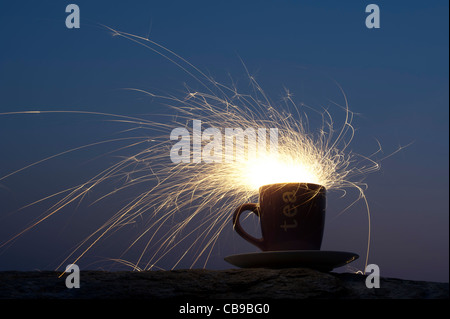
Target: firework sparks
<point x="189" y="203"/>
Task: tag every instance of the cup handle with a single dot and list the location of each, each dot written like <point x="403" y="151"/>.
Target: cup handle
<point x="258" y="242"/>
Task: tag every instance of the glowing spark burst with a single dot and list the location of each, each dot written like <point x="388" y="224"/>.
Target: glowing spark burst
<point x="189" y="204"/>
<point x="264" y="171"/>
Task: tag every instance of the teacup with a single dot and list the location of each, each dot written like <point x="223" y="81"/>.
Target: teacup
<point x="292" y="217"/>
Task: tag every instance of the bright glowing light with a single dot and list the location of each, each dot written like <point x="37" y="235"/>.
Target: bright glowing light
<point x="271" y="170"/>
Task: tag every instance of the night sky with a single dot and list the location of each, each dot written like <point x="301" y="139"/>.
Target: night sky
<point x="395" y="79"/>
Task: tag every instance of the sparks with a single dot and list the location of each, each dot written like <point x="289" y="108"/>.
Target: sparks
<point x="189" y="204"/>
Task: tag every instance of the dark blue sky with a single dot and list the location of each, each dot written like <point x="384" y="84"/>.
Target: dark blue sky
<point x="395" y="77"/>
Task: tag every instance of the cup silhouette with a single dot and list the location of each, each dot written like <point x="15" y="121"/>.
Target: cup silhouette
<point x="292" y="217"/>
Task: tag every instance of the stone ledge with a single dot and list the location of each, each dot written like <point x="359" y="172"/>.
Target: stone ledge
<point x="292" y="283"/>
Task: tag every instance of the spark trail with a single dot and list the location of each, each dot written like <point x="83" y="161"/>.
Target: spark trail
<point x="188" y="205"/>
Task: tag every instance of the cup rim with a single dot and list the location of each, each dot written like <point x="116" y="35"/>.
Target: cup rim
<point x="312" y="186"/>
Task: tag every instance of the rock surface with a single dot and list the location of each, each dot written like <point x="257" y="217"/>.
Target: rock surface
<point x="293" y="283"/>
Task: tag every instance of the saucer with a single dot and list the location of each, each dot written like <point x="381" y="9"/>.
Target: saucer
<point x="315" y="259"/>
